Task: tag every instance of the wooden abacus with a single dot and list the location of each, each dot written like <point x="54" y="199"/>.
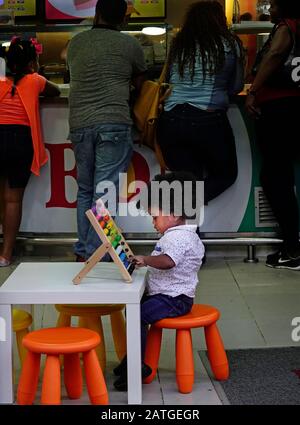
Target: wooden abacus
<point x="113" y="243"/>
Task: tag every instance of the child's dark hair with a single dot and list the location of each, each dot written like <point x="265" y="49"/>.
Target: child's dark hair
<point x="180" y="176"/>
<point x="18" y="57"/>
<point x="112" y="11"/>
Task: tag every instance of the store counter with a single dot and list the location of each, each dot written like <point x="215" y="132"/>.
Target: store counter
<point x="50" y="200"/>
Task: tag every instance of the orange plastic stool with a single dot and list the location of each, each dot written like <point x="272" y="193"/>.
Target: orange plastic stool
<point x="21" y="321"/>
<point x="200" y="316"/>
<point x="69" y="342"/>
<point x="90" y="318"/>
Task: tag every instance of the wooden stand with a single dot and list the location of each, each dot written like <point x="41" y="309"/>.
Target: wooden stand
<point x="106" y="247"/>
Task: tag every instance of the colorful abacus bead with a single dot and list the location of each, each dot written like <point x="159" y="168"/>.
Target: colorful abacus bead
<point x="102" y="224"/>
<point x="119" y="249"/>
<point x="109" y="225"/>
<point x="106" y="231"/>
<point x="94" y="210"/>
<point x="123" y="256"/>
<point x="115" y="243"/>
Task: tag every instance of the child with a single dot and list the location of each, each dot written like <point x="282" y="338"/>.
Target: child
<point x="21" y="147"/>
<point x="173" y="269"/>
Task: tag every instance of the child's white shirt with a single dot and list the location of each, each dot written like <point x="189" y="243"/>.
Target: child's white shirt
<point x="184" y="247"/>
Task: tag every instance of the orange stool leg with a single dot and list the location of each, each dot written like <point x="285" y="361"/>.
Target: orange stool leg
<point x="216" y="352"/>
<point x="153" y="351"/>
<point x="51" y="391"/>
<point x="94" y="378"/>
<point x="95" y="324"/>
<point x="73" y="375"/>
<point x="21" y="350"/>
<point x="118" y="329"/>
<point x="29" y="379"/>
<point x="184" y="361"/>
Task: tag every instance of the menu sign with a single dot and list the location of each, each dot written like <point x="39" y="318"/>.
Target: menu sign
<point x="81" y="9"/>
<point x="149" y="9"/>
<point x="70" y="9"/>
<point x="20" y="7"/>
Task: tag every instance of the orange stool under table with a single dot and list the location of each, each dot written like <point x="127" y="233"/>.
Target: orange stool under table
<point x="53" y="342"/>
<point x="90" y="318"/>
<point x="21" y="321"/>
<point x="200" y="316"/>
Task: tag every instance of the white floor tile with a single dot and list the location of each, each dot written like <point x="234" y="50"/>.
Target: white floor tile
<point x="241" y="333"/>
<point x="270" y="306"/>
<point x="231" y="306"/>
<point x="278" y="331"/>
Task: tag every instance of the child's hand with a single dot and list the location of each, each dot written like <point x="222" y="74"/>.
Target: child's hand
<point x="138" y="260"/>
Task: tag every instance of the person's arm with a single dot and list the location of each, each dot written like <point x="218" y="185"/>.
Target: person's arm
<point x="64" y="52"/>
<point x="50" y="90"/>
<point x="139" y="67"/>
<point x="280" y="47"/>
<point x="162" y="262"/>
<point x="236" y="83"/>
<point x="138" y="81"/>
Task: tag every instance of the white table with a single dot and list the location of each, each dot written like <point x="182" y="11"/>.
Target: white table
<point x="51" y="283"/>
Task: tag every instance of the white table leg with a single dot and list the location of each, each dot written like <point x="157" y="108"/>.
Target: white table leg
<point x="6" y="366"/>
<point x="134" y="372"/>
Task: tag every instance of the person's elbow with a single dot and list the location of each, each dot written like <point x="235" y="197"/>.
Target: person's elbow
<point x="168" y="262"/>
<point x="55" y="92"/>
<point x="51" y="90"/>
<point x="235" y="90"/>
<point x="138" y="82"/>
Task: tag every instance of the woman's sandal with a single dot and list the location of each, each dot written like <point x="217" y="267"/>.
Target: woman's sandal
<point x="4" y="262"/>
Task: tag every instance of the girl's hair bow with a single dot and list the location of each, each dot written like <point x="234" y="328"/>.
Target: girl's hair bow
<point x="37" y="45"/>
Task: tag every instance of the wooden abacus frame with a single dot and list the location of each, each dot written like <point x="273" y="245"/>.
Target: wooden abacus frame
<point x="106" y="247"/>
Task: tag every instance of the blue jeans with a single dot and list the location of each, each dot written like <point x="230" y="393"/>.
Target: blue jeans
<point x="160" y="306"/>
<point x="101" y="153"/>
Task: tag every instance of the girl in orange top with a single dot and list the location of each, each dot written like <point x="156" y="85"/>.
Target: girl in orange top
<point x="21" y="147"/>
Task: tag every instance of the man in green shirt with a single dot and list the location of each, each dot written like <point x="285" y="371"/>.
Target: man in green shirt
<point x="103" y="63"/>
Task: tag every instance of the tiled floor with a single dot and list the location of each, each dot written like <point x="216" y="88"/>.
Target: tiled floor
<point x="257" y="306"/>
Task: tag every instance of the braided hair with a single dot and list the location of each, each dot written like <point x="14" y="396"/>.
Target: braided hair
<point x="204" y="32"/>
<point x="18" y="57"/>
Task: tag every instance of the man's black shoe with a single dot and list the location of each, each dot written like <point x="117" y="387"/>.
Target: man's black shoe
<point x="281" y="260"/>
<point x="122" y="366"/>
<point x="273" y="258"/>
<point x="121" y="383"/>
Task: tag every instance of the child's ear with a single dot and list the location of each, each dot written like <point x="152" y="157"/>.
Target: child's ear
<point x="177" y="219"/>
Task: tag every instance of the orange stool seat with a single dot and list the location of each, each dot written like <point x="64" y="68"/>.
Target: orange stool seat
<point x="200" y="316"/>
<point x="69" y="342"/>
<point x="90" y="318"/>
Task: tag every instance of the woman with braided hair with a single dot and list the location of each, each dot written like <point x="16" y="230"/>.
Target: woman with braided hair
<point x="22" y="150"/>
<point x="205" y="67"/>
